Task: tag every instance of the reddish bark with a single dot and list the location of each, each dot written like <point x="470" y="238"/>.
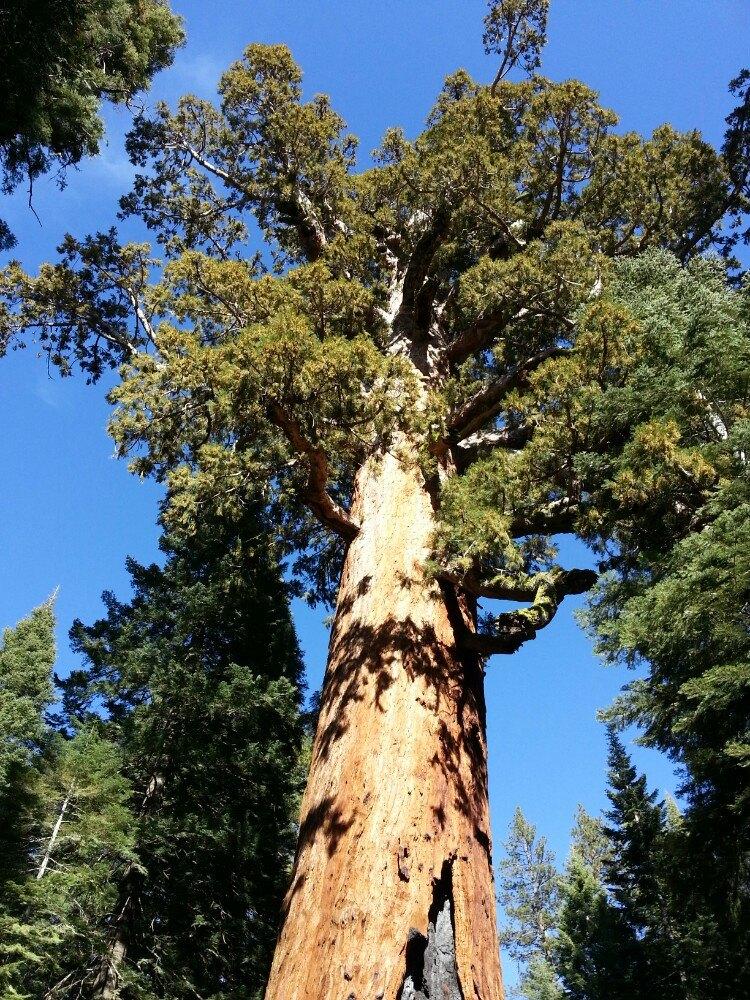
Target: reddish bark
<point x="395" y="819"/>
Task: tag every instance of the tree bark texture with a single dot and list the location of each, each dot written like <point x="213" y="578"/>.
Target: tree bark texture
<point x="392" y="895"/>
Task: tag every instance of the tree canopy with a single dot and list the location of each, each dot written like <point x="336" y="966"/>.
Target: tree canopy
<point x="461" y="292"/>
<point x="58" y="60"/>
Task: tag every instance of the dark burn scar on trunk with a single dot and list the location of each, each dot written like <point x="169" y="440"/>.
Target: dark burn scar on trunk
<point x="431" y="971"/>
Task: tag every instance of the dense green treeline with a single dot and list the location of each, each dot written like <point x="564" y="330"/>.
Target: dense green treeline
<point x="635" y="911"/>
<point x="173" y="764"/>
<point x="656" y="899"/>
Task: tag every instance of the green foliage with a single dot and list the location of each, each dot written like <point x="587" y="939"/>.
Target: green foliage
<point x="26" y="657"/>
<point x="147" y="843"/>
<point x="528" y="892"/>
<point x="677" y="605"/>
<point x="637" y="908"/>
<point x="462" y="298"/>
<point x="199" y="677"/>
<point x="540" y="981"/>
<point x="589" y="844"/>
<point x="58" y="60"/>
<point x="596" y="956"/>
<point x="67" y="830"/>
<point x="517" y="31"/>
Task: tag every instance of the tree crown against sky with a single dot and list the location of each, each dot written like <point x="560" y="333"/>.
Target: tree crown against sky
<point x="458" y="293"/>
<point x="60" y="59"/>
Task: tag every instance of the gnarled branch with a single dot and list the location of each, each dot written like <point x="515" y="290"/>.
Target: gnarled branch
<point x="316" y="496"/>
<point x="485" y="404"/>
<point x="512" y="629"/>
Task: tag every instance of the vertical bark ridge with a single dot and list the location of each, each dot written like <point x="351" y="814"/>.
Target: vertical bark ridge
<point x="398" y="781"/>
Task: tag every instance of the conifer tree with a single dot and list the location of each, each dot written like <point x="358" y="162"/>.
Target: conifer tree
<point x="65" y="825"/>
<point x="199" y="676"/>
<point x="529" y="896"/>
<point x="681" y="613"/>
<point x="26" y="658"/>
<point x="59" y="59"/>
<point x="432" y="381"/>
<point x="528" y="891"/>
<point x="597" y="957"/>
<point x="589" y="843"/>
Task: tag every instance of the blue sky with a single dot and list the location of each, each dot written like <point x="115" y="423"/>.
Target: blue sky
<point x="72" y="513"/>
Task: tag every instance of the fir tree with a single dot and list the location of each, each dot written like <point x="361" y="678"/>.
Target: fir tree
<point x="597" y="956"/>
<point x="200" y="679"/>
<point x="636" y="823"/>
<point x="435" y="379"/>
<point x="26" y="657"/>
<point x="681" y="612"/>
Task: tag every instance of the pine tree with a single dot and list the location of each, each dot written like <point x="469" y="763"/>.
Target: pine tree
<point x="528" y="891"/>
<point x="529" y="896"/>
<point x="199" y="676"/>
<point x="434" y="379"/>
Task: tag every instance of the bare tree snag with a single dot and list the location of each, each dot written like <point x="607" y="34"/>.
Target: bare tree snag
<point x="395" y="838"/>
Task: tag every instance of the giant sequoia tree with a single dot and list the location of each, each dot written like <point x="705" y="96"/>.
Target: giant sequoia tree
<point x="425" y="380"/>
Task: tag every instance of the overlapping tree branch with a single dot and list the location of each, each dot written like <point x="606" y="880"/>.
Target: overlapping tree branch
<point x="507" y="632"/>
<point x="316" y="496"/>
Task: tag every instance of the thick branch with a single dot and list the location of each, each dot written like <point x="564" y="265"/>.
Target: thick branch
<point x="417" y="270"/>
<point x="299" y="208"/>
<point x="511" y="630"/>
<point x="558" y="517"/>
<point x="316" y="496"/>
<point x="487" y="327"/>
<point x="486" y="404"/>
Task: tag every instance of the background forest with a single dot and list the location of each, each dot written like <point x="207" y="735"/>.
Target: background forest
<point x="154" y="748"/>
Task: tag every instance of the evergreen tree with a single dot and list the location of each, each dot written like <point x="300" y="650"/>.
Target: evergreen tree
<point x="636" y="823"/>
<point x="529" y="896"/>
<point x="65" y="825"/>
<point x="540" y="981"/>
<point x="637" y="874"/>
<point x="589" y="843"/>
<point x="26" y="658"/>
<point x="631" y="924"/>
<point x="436" y="378"/>
<point x="597" y="957"/>
<point x="58" y="60"/>
<point x="528" y="891"/>
<point x="199" y="676"/>
<point x="681" y="613"/>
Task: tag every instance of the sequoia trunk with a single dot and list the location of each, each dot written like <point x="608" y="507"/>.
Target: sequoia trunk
<point x="392" y="894"/>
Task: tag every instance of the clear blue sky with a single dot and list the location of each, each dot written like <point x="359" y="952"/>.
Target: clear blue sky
<point x="71" y="511"/>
